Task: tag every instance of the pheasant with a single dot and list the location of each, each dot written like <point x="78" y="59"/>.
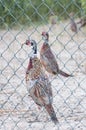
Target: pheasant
<point x="53" y="18"/>
<point x="82" y="22"/>
<point x="48" y="59"/>
<point x="73" y="25"/>
<point x="38" y="84"/>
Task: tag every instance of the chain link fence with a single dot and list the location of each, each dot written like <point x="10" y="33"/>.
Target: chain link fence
<point x="17" y="109"/>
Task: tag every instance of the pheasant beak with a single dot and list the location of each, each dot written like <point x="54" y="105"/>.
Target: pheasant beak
<point x="43" y="34"/>
<point x="26" y="43"/>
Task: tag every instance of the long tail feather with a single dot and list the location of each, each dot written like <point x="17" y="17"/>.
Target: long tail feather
<point x="64" y="74"/>
<point x="51" y="112"/>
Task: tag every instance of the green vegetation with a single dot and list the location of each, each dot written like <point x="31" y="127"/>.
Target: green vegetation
<point x="26" y="12"/>
<point x="83" y="5"/>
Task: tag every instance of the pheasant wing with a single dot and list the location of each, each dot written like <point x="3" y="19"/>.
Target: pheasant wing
<point x="49" y="61"/>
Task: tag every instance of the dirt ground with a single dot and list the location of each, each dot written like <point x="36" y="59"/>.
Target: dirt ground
<point x="17" y="109"/>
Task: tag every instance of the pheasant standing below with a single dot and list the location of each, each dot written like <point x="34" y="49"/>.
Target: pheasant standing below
<point x="38" y="84"/>
<point x="48" y="59"/>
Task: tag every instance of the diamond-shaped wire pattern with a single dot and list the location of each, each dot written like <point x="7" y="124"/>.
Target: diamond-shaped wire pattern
<point x="20" y="20"/>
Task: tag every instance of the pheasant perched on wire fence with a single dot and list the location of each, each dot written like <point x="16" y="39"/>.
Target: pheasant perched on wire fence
<point x="38" y="84"/>
<point x="47" y="58"/>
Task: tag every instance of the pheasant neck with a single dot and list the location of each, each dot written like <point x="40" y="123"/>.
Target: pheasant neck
<point x="34" y="53"/>
<point x="46" y="42"/>
<point x="72" y="18"/>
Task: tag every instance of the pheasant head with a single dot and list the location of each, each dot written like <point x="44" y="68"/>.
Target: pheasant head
<point x="34" y="66"/>
<point x="33" y="44"/>
<point x="45" y="36"/>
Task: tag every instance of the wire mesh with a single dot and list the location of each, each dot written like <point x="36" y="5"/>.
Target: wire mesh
<point x="20" y="20"/>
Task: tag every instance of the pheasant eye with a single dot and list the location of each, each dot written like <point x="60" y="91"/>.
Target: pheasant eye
<point x="31" y="43"/>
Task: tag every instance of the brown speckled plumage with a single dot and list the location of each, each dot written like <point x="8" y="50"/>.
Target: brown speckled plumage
<point x="39" y="86"/>
<point x="35" y="70"/>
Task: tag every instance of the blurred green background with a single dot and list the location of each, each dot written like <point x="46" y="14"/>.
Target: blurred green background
<point x="25" y="12"/>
